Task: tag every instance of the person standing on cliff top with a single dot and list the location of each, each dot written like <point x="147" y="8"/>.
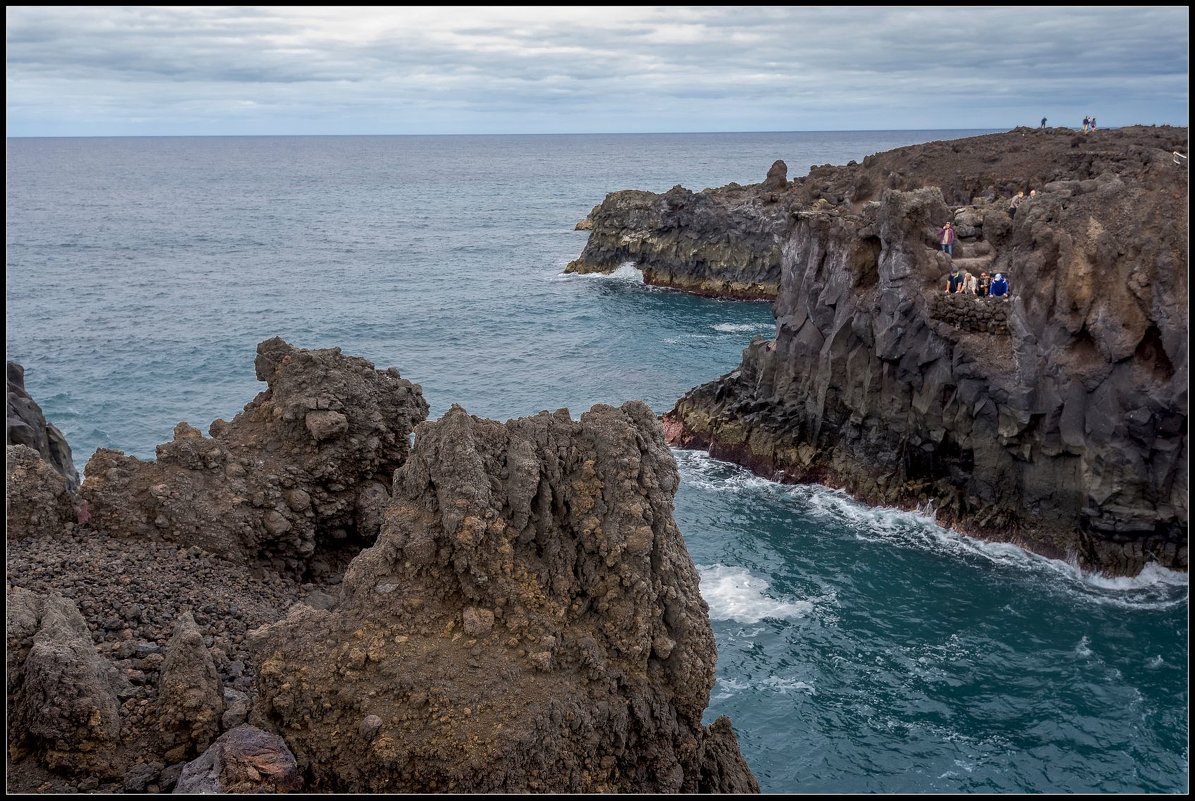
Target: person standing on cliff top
<point x="1043" y="122"/>
<point x="946" y="238"/>
<point x="984" y="285"/>
<point x="1086" y="124"/>
<point x="954" y="282"/>
<point x="1093" y="124"/>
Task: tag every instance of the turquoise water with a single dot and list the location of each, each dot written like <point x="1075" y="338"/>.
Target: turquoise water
<point x="860" y="650"/>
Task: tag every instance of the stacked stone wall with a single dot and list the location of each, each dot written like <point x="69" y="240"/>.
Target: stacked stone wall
<point x="972" y="313"/>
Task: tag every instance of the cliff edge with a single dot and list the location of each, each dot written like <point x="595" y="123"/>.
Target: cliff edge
<point x="1055" y="418"/>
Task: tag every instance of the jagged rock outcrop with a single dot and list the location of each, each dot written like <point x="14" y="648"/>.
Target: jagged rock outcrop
<point x="723" y="242"/>
<point x="777" y="178"/>
<point x="26" y="425"/>
<point x="243" y="760"/>
<point x="307" y="461"/>
<point x="539" y="620"/>
<point x="62" y="696"/>
<point x="1058" y="423"/>
<point x="38" y="500"/>
<point x="190" y="695"/>
<point x="528" y="621"/>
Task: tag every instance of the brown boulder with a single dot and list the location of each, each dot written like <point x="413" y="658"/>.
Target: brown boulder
<point x="38" y="499"/>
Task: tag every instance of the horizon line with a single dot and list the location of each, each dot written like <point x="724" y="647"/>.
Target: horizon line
<point x="524" y="133"/>
<point x="9" y="137"/>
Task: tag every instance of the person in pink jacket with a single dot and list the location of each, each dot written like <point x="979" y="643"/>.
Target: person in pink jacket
<point x="946" y="238"/>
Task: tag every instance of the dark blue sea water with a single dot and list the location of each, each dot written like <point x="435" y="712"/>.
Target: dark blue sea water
<point x="860" y="650"/>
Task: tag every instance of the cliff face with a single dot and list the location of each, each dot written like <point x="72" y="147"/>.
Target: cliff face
<point x="721" y="242"/>
<point x="26" y="425"/>
<point x="529" y="620"/>
<point x="1057" y="421"/>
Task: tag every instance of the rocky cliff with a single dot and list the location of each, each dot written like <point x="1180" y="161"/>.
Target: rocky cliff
<point x="722" y="242"/>
<point x="1056" y="419"/>
<point x="528" y="618"/>
<point x="26" y="425"/>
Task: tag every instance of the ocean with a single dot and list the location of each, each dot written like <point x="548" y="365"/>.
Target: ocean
<point x="860" y="649"/>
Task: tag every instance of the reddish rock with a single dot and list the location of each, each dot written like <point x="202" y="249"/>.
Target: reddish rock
<point x="243" y="760"/>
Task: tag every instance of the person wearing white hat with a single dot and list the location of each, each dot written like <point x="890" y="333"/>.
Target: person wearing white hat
<point x="999" y="286"/>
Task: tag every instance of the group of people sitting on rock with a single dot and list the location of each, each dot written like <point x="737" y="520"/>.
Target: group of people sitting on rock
<point x="962" y="282"/>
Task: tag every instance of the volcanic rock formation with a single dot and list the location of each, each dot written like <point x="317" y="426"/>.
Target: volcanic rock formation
<point x="26" y="425"/>
<point x="1056" y="420"/>
<point x="723" y="242"/>
<point x="529" y="620"/>
<point x="309" y="459"/>
<point x="62" y="696"/>
<point x="37" y="498"/>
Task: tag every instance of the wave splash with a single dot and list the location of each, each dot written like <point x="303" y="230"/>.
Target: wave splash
<point x="733" y="593"/>
<point x="739" y="328"/>
<point x="1155" y="587"/>
<point x="627" y="273"/>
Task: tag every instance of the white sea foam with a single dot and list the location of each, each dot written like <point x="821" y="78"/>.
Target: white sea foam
<point x="626" y="273"/>
<point x="685" y="338"/>
<point x="727" y="687"/>
<point x="734" y="594"/>
<point x="1155" y="587"/>
<point x="784" y="685"/>
<point x="1155" y="663"/>
<point x="738" y="328"/>
<point x="1153" y="575"/>
<point x="699" y="469"/>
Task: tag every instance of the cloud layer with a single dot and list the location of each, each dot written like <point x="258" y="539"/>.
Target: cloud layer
<point x="275" y="70"/>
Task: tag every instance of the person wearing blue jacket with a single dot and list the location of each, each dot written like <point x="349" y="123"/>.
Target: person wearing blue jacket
<point x="999" y="287"/>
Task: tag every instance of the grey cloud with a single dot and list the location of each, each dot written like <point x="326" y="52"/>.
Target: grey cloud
<point x="747" y="63"/>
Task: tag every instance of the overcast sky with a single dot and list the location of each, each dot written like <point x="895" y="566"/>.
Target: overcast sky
<point x="106" y="71"/>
